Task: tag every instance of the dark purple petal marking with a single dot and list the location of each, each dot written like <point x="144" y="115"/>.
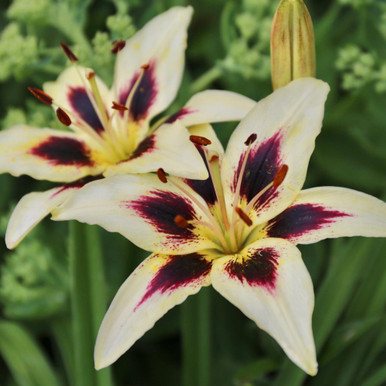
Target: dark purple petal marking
<point x="63" y="151"/>
<point x="300" y="219"/>
<point x="144" y="96"/>
<point x="77" y="184"/>
<point x="180" y="114"/>
<point x="146" y="146"/>
<point x="160" y="208"/>
<point x="262" y="165"/>
<point x="257" y="269"/>
<point x="81" y="103"/>
<point x="179" y="271"/>
<point x="204" y="188"/>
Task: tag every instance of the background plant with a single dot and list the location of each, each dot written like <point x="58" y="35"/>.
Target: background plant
<point x="228" y="48"/>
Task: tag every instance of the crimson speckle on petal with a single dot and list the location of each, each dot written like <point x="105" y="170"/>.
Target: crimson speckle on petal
<point x="146" y="146"/>
<point x="63" y="151"/>
<point x="258" y="269"/>
<point x="81" y="103"/>
<point x="144" y="95"/>
<point x="179" y="114"/>
<point x="262" y="165"/>
<point x="160" y="208"/>
<point x="301" y="219"/>
<point x="179" y="271"/>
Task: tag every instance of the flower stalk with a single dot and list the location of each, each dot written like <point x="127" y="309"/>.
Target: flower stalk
<point x="292" y="43"/>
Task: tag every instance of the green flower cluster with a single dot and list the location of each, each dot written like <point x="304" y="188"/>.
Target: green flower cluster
<point x="248" y="42"/>
<point x="33" y="285"/>
<point x="360" y="68"/>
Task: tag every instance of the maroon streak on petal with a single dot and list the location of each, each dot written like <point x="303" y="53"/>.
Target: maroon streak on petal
<point x="300" y="219"/>
<point x="262" y="165"/>
<point x="258" y="269"/>
<point x="146" y="146"/>
<point x="144" y="95"/>
<point x="180" y="114"/>
<point x="179" y="271"/>
<point x="204" y="188"/>
<point x="81" y="103"/>
<point x="63" y="151"/>
<point x="77" y="184"/>
<point x="160" y="208"/>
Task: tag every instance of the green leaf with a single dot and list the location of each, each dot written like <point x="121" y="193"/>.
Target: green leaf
<point x="24" y="358"/>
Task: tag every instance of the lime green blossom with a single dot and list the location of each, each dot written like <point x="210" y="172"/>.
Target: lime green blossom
<point x="32" y="288"/>
<point x="30" y="11"/>
<point x="121" y="26"/>
<point x="17" y="53"/>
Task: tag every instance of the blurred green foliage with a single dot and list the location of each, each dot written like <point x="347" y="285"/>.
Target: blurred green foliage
<point x="228" y="49"/>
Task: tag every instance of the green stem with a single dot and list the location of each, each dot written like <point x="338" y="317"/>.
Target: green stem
<point x="88" y="302"/>
<point x="205" y="79"/>
<point x="195" y="323"/>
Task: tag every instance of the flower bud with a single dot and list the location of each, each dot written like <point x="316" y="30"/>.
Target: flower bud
<point x="292" y="43"/>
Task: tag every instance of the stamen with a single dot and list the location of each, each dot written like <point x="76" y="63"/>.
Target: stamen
<point x="145" y="66"/>
<point x="243" y="216"/>
<point x="118" y="106"/>
<point x="252" y="138"/>
<point x="280" y="175"/>
<point x="41" y="95"/>
<point x="119" y="45"/>
<point x="63" y="117"/>
<point x="162" y="175"/>
<point x="198" y="140"/>
<point x="181" y="221"/>
<point x="70" y="55"/>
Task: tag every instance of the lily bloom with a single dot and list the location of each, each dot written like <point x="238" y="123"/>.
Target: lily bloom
<point x="111" y="129"/>
<point x="237" y="230"/>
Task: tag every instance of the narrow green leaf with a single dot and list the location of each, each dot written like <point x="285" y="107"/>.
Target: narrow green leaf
<point x="24" y="358"/>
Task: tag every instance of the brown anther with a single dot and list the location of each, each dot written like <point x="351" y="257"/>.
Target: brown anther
<point x="63" y="117"/>
<point x="252" y="138"/>
<point x="90" y="75"/>
<point x="118" y="46"/>
<point x="214" y="158"/>
<point x="145" y="66"/>
<point x="162" y="175"/>
<point x="280" y="175"/>
<point x="118" y="106"/>
<point x="41" y="95"/>
<point x="198" y="140"/>
<point x="243" y="216"/>
<point x="181" y="221"/>
<point x="70" y="55"/>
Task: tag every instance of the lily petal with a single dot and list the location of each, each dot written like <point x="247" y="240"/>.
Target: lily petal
<point x="168" y="148"/>
<point x="327" y="212"/>
<point x="161" y="44"/>
<point x="270" y="284"/>
<point x="32" y="208"/>
<point x="142" y="209"/>
<point x="46" y="154"/>
<point x="213" y="106"/>
<point x="71" y="91"/>
<point x="156" y="286"/>
<point x="286" y="124"/>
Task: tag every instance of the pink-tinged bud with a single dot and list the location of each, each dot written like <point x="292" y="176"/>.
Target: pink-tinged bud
<point x="292" y="43"/>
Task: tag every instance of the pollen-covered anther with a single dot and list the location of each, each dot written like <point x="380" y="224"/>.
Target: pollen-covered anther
<point x="70" y="55"/>
<point x="90" y="75"/>
<point x="118" y="106"/>
<point x="41" y="95"/>
<point x="280" y="175"/>
<point x="162" y="175"/>
<point x="198" y="140"/>
<point x="63" y="117"/>
<point x="243" y="216"/>
<point x="119" y="45"/>
<point x="181" y="221"/>
<point x="145" y="66"/>
<point x="252" y="138"/>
